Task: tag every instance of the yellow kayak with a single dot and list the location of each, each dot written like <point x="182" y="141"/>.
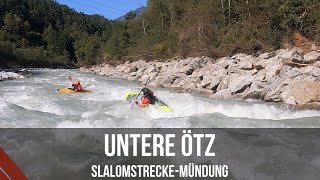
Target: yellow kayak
<point x="70" y="90"/>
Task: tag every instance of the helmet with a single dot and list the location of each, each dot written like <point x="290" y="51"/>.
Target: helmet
<point x="145" y="91"/>
<point x="77" y="82"/>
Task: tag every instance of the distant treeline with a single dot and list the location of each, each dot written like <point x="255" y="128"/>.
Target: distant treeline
<point x="42" y="33"/>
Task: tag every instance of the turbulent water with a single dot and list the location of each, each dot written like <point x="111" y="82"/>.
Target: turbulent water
<point x="35" y="102"/>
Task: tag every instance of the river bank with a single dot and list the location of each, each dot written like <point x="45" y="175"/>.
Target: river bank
<point x="289" y="76"/>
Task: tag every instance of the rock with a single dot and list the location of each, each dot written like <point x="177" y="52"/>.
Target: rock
<point x="309" y="78"/>
<point x="206" y="81"/>
<point x="255" y="91"/>
<point x="189" y="68"/>
<point x="154" y="84"/>
<point x="261" y="64"/>
<point x="273" y="70"/>
<point x="288" y="53"/>
<point x="297" y="59"/>
<point x="306" y="92"/>
<point x="251" y="72"/>
<point x="10" y="76"/>
<point x="257" y="86"/>
<point x="222" y="94"/>
<point x="291" y="101"/>
<point x="215" y="81"/>
<point x="102" y="73"/>
<point x="286" y="93"/>
<point x="316" y="72"/>
<point x="307" y="70"/>
<point x="245" y="65"/>
<point x="293" y="73"/>
<point x="176" y="86"/>
<point x="184" y="81"/>
<point x="151" y="69"/>
<point x="275" y="95"/>
<point x="317" y="64"/>
<point x="131" y="69"/>
<point x="311" y="57"/>
<point x="191" y="86"/>
<point x="266" y="55"/>
<point x="239" y="84"/>
<point x="239" y="56"/>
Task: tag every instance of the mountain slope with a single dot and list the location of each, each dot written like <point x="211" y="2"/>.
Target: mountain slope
<point x="138" y="13"/>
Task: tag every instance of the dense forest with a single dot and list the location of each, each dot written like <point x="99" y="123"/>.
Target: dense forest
<point x="43" y="33"/>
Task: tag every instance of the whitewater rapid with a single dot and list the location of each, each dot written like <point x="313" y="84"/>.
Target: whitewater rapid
<point x="35" y="102"/>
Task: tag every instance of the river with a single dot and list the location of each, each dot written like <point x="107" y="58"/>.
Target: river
<point x="35" y="102"/>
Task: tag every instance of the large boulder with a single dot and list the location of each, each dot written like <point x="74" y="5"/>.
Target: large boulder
<point x="306" y="92"/>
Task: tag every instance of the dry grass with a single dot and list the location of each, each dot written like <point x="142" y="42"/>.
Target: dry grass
<point x="303" y="43"/>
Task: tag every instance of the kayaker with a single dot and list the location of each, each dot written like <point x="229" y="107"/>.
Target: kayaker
<point x="77" y="86"/>
<point x="147" y="98"/>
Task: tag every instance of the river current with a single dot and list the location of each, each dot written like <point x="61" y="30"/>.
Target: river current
<point x="34" y="102"/>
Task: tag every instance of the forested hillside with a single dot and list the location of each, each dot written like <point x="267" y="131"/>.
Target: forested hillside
<point x="44" y="33"/>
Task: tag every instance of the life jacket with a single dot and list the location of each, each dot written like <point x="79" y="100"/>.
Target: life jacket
<point x="151" y="98"/>
<point x="77" y="88"/>
<point x="144" y="102"/>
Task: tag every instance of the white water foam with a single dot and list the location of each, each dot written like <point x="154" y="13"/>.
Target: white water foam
<point x="106" y="107"/>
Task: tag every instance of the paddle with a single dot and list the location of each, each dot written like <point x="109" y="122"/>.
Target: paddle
<point x="139" y="93"/>
<point x="70" y="79"/>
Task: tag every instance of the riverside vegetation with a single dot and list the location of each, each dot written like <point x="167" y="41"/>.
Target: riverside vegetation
<point x="43" y="33"/>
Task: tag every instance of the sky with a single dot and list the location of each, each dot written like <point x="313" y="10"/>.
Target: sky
<point x="110" y="9"/>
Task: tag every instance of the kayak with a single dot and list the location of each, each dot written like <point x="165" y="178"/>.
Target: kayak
<point x="70" y="90"/>
<point x="129" y="96"/>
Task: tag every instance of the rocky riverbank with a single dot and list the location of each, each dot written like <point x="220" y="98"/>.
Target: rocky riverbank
<point x="289" y="75"/>
<point x="9" y="76"/>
